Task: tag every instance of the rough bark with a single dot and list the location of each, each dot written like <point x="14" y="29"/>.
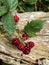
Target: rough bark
<point x="39" y="54"/>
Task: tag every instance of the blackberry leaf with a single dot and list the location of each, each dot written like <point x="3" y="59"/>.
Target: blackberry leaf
<point x="33" y="27"/>
<point x="8" y="23"/>
<point x="3" y="10"/>
<point x="11" y="4"/>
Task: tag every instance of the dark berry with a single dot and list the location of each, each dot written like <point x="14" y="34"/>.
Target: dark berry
<point x="25" y="36"/>
<point x="18" y="43"/>
<point x="26" y="50"/>
<point x="30" y="45"/>
<point x="16" y="18"/>
<point x="21" y="46"/>
<point x="15" y="41"/>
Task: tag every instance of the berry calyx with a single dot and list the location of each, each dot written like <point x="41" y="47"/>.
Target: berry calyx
<point x="25" y="36"/>
<point x="16" y="18"/>
<point x="26" y="50"/>
<point x="30" y="45"/>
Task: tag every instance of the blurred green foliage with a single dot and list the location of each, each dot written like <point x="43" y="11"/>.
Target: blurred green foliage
<point x="33" y="5"/>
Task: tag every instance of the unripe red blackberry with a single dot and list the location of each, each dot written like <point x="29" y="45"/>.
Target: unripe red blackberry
<point x="18" y="43"/>
<point x="21" y="46"/>
<point x="26" y="50"/>
<point x="25" y="36"/>
<point x="15" y="41"/>
<point x="30" y="45"/>
<point x="16" y="18"/>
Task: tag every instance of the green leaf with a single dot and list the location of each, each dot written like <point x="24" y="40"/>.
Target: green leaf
<point x="29" y="8"/>
<point x="3" y="10"/>
<point x="1" y="1"/>
<point x="33" y="27"/>
<point x="11" y="4"/>
<point x="8" y="23"/>
<point x="47" y="0"/>
<point x="21" y="6"/>
<point x="25" y="7"/>
<point x="31" y="33"/>
<point x="30" y="1"/>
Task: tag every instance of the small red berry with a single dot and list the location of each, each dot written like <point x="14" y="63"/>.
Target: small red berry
<point x="30" y="45"/>
<point x="26" y="50"/>
<point x="15" y="41"/>
<point x="25" y="36"/>
<point x="18" y="43"/>
<point x="16" y="18"/>
<point x="21" y="46"/>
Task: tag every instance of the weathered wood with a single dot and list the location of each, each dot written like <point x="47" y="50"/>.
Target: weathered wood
<point x="11" y="55"/>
